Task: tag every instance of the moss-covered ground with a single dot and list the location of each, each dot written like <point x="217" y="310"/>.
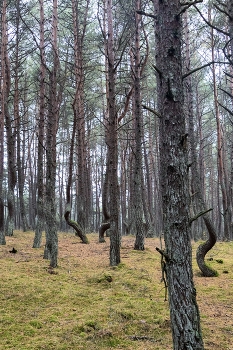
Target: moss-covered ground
<point x="85" y="304"/>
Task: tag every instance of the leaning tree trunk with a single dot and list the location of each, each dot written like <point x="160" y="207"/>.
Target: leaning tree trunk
<point x="185" y="318"/>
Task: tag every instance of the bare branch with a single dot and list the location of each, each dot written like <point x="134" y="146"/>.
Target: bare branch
<point x="198" y="215"/>
<point x="221" y="10"/>
<point x="122" y="125"/>
<point x="227" y="109"/>
<point x="210" y="24"/>
<point x="226" y="53"/>
<point x="146" y="14"/>
<point x="196" y="69"/>
<point x="199" y="68"/>
<point x="152" y="111"/>
<point x="126" y="104"/>
<point x="165" y="255"/>
<point x="157" y="70"/>
<point x="226" y="92"/>
<point x="187" y="5"/>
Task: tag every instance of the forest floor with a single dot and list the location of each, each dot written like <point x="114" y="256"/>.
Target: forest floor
<point x="85" y="304"/>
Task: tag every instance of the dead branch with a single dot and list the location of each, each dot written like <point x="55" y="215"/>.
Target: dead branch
<point x="199" y="214"/>
<point x="152" y="111"/>
<point x="210" y="24"/>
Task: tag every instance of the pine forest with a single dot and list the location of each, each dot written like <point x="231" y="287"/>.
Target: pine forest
<point x="116" y="118"/>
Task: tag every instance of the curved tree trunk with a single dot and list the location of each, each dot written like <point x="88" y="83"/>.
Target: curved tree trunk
<point x="203" y="249"/>
<point x="198" y="197"/>
<point x="105" y="224"/>
<point x="78" y="230"/>
<point x="77" y="52"/>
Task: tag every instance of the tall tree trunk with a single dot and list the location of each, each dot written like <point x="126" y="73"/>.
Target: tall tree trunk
<point x="138" y="178"/>
<point x="75" y="225"/>
<point x="185" y="318"/>
<point x="83" y="178"/>
<point x="2" y="108"/>
<point x="51" y="247"/>
<point x="41" y="137"/>
<point x="17" y="118"/>
<point x="198" y="197"/>
<point x="112" y="143"/>
<point x="10" y="134"/>
<point x="220" y="149"/>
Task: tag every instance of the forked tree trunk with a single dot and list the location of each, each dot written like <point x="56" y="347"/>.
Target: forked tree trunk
<point x="185" y="318"/>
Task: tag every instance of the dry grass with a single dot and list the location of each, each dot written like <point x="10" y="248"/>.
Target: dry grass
<point x="85" y="304"/>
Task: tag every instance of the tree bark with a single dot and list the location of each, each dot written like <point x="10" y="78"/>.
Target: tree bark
<point x="138" y="178"/>
<point x="51" y="247"/>
<point x="18" y="124"/>
<point x="197" y="196"/>
<point x="112" y="143"/>
<point x="220" y="150"/>
<point x="83" y="178"/>
<point x="2" y="109"/>
<point x="185" y="318"/>
<point x="11" y="140"/>
<point x="41" y="137"/>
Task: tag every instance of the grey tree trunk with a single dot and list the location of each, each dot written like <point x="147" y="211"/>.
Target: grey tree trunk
<point x="20" y="142"/>
<point x="41" y="139"/>
<point x="185" y="318"/>
<point x="197" y="196"/>
<point x="51" y="247"/>
<point x="138" y="179"/>
<point x="112" y="143"/>
<point x="11" y="140"/>
<point x="2" y="113"/>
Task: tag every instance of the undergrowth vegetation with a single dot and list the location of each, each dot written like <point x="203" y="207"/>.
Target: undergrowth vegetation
<point x="85" y="304"/>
